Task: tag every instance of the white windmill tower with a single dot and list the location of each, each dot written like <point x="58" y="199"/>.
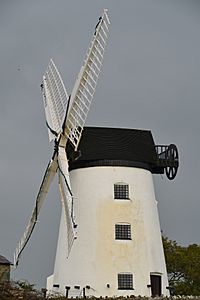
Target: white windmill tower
<point x="117" y="248"/>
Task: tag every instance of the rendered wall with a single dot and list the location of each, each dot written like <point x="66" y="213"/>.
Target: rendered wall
<point x="96" y="257"/>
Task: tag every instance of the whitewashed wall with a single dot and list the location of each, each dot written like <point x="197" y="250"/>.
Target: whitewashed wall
<point x="96" y="257"/>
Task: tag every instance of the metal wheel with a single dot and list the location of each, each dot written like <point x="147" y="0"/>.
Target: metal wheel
<point x="172" y="162"/>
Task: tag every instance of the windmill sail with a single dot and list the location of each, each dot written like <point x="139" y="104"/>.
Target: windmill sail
<point x="85" y="85"/>
<point x="65" y="119"/>
<point x="66" y="196"/>
<point x="47" y="179"/>
<point x="55" y="100"/>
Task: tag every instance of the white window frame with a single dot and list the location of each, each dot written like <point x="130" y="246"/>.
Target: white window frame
<point x="119" y="193"/>
<point x="120" y="231"/>
<point x="126" y="281"/>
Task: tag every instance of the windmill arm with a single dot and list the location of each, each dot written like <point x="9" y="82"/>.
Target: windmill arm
<point x="55" y="99"/>
<point x="86" y="82"/>
<point x="47" y="179"/>
<point x="51" y="130"/>
<point x="66" y="197"/>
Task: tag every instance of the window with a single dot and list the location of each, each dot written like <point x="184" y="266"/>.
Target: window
<point x="122" y="231"/>
<point x="121" y="191"/>
<point x="125" y="281"/>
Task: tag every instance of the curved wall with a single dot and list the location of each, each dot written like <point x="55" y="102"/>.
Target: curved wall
<point x="97" y="257"/>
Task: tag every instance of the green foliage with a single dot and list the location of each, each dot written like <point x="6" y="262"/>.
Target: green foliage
<point x="19" y="290"/>
<point x="183" y="267"/>
<point x="25" y="286"/>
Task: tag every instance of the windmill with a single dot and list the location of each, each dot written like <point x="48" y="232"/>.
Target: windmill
<point x="65" y="118"/>
<point x="117" y="246"/>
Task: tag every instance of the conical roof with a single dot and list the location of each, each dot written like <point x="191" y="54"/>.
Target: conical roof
<point x="4" y="261"/>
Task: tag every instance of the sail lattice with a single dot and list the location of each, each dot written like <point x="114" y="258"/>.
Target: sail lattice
<point x="86" y="82"/>
<point x="55" y="100"/>
<point x="47" y="179"/>
<point x="66" y="197"/>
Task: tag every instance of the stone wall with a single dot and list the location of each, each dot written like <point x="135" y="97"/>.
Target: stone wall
<point x="4" y="273"/>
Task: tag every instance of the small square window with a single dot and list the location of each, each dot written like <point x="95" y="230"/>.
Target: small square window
<point x="121" y="191"/>
<point x="122" y="231"/>
<point x="125" y="281"/>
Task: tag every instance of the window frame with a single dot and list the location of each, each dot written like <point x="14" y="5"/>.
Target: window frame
<point x="121" y="233"/>
<point x="125" y="282"/>
<point x="119" y="193"/>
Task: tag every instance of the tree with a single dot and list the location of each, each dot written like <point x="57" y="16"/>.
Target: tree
<point x="183" y="267"/>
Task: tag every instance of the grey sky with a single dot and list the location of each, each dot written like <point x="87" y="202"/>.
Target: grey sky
<point x="150" y="80"/>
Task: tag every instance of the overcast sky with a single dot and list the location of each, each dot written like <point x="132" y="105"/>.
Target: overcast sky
<point x="150" y="80"/>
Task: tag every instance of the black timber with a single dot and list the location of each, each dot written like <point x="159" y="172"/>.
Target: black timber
<point x="100" y="146"/>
